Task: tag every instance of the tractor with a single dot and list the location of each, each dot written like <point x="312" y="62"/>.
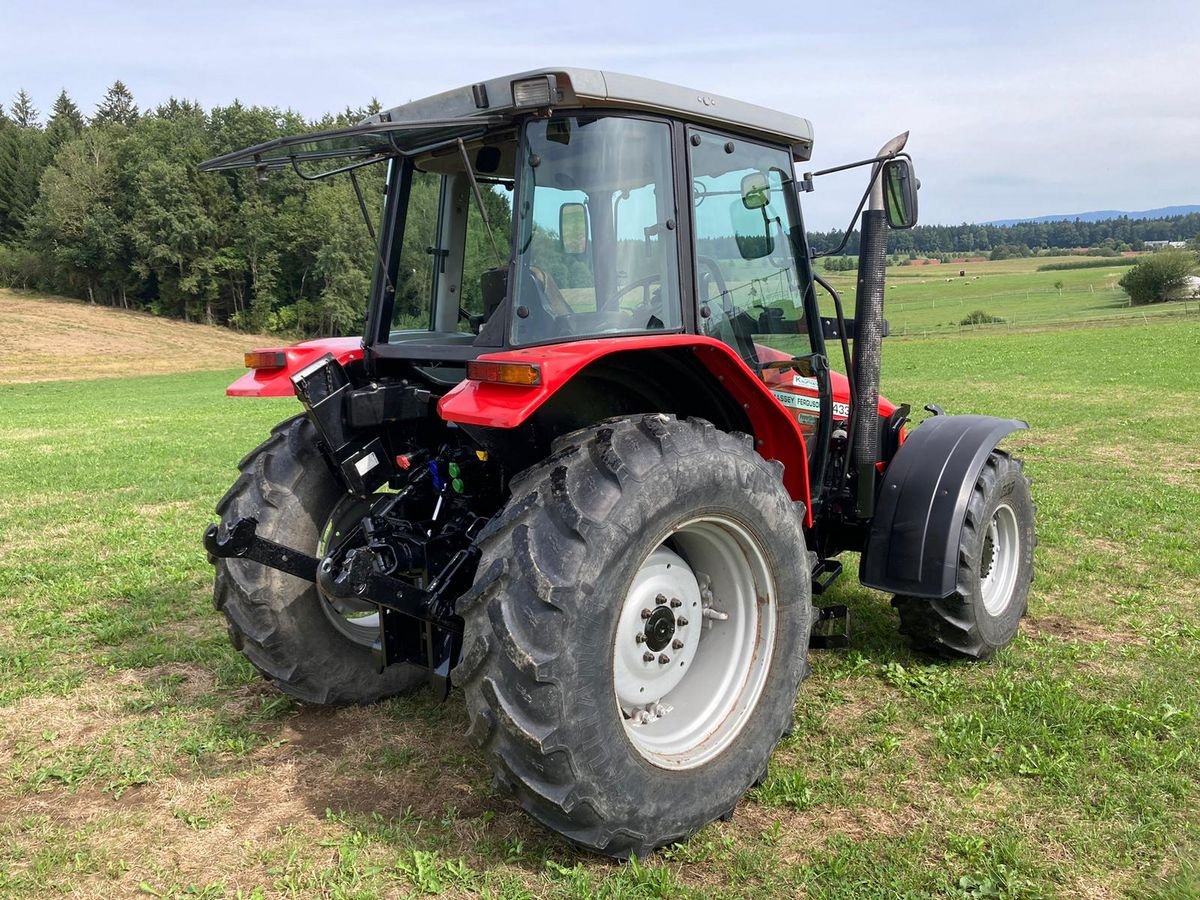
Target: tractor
<point x="593" y="457"/>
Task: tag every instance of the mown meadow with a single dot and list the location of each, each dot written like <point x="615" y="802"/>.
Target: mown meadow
<point x="140" y="755"/>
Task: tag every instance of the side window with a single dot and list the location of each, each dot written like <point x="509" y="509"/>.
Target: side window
<point x="415" y="278"/>
<point x="748" y="286"/>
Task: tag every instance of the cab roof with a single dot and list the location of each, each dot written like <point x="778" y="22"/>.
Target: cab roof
<point x="592" y="88"/>
<point x="469" y="111"/>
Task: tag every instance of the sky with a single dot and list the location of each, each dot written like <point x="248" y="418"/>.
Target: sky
<point x="1014" y="109"/>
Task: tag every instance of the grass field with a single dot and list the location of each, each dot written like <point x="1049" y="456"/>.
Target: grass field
<point x="933" y="300"/>
<point x="141" y="756"/>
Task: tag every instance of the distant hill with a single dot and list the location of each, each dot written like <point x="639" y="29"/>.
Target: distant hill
<point x="1100" y="215"/>
<point x="44" y="338"/>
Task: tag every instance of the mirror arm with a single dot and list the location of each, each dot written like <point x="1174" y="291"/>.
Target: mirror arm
<point x="875" y="179"/>
<point x="809" y="176"/>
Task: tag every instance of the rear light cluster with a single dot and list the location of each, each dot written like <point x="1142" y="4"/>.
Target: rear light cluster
<point x="266" y="359"/>
<point x="494" y="372"/>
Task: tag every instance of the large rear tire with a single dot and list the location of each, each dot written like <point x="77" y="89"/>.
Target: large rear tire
<point x="279" y="622"/>
<point x="995" y="568"/>
<point x="637" y="631"/>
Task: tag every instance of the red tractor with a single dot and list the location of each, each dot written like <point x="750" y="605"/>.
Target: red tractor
<point x="590" y="461"/>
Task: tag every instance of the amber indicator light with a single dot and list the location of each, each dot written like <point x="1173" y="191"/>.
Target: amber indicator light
<point x="494" y="372"/>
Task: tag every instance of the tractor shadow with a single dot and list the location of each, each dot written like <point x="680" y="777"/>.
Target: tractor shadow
<point x="874" y="626"/>
<point x="403" y="773"/>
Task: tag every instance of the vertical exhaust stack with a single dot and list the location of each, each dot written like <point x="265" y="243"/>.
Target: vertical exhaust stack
<point x="868" y="335"/>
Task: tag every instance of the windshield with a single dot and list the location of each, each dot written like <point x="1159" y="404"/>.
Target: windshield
<point x="596" y="230"/>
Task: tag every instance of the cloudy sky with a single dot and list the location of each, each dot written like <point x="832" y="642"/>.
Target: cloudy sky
<point x="1016" y="109"/>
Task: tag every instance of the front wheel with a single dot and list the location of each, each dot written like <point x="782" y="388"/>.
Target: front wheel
<point x="637" y="632"/>
<point x="995" y="568"/>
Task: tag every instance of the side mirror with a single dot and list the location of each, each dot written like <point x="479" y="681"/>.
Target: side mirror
<point x="573" y="228"/>
<point x="900" y="192"/>
<point x="751" y="230"/>
<point x="756" y="191"/>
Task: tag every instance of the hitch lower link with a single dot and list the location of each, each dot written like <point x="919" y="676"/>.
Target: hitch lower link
<point x="437" y="640"/>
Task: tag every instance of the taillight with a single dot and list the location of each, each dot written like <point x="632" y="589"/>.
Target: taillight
<point x="266" y="359"/>
<point x="495" y="372"/>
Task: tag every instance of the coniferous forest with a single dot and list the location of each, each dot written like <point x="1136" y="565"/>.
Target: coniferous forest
<point x="110" y="208"/>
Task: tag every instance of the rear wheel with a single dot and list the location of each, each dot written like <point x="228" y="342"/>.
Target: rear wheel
<point x="637" y="631"/>
<point x="995" y="568"/>
<point x="305" y="645"/>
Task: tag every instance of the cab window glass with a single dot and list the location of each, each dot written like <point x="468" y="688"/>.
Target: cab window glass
<point x="412" y="309"/>
<point x="748" y="288"/>
<point x="596" y="230"/>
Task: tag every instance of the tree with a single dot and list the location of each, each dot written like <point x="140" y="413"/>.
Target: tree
<point x="117" y="107"/>
<point x="74" y="224"/>
<point x="66" y="122"/>
<point x="1157" y="277"/>
<point x="22" y="158"/>
<point x="24" y="114"/>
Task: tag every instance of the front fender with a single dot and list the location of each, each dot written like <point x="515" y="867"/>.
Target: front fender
<point x="913" y="545"/>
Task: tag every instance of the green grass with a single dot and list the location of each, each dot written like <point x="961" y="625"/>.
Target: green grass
<point x="140" y="755"/>
<point x="933" y="300"/>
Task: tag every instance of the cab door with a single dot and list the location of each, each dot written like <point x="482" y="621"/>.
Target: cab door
<point x="749" y="286"/>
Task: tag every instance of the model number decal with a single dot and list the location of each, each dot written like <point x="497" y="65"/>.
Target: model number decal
<point x="811" y="404"/>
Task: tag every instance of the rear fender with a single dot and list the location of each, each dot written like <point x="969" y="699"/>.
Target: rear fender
<point x="777" y="435"/>
<point x="278" y="382"/>
<point x="913" y="545"/>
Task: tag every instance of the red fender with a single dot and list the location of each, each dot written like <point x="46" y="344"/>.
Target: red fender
<point x="777" y="434"/>
<point x="278" y="382"/>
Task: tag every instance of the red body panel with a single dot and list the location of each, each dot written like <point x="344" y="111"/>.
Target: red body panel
<point x="800" y="396"/>
<point x="278" y="382"/>
<point x="507" y="406"/>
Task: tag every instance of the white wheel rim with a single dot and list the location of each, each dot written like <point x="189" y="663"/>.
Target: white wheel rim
<point x="1000" y="560"/>
<point x="684" y="711"/>
<point x="355" y="620"/>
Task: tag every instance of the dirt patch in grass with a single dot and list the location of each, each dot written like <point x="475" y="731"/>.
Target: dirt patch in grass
<point x="55" y="339"/>
<point x="1071" y="630"/>
<point x="1181" y="473"/>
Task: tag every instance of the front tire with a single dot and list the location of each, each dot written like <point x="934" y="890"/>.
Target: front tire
<point x="279" y="622"/>
<point x="603" y="564"/>
<point x="995" y="568"/>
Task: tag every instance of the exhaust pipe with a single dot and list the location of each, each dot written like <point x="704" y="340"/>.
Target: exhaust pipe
<point x="868" y="335"/>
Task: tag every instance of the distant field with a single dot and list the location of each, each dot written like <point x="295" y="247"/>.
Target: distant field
<point x="931" y="300"/>
<point x="52" y="338"/>
<point x="141" y="756"/>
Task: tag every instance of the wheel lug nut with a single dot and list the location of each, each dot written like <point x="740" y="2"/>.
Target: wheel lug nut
<point x="646" y="613"/>
<point x="660" y="600"/>
<point x="681" y="621"/>
<point x="677" y="644"/>
<point x="676" y="603"/>
<point x="663" y="658"/>
<point x="640" y="637"/>
<point x="647" y="657"/>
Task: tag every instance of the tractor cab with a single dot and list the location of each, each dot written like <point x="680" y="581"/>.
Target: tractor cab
<point x="573" y="204"/>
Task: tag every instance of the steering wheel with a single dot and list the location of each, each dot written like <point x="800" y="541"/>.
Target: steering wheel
<point x="709" y="275"/>
<point x="645" y="283"/>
